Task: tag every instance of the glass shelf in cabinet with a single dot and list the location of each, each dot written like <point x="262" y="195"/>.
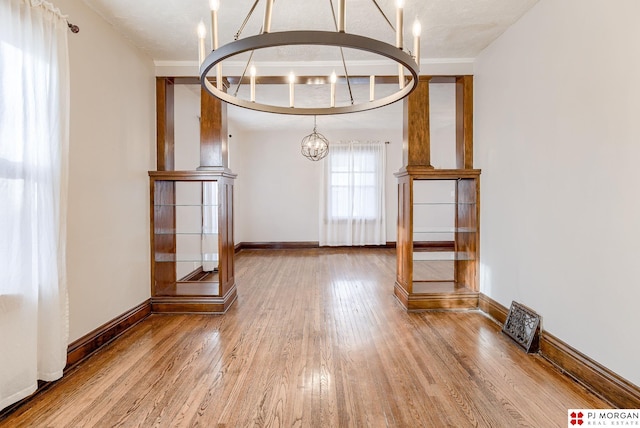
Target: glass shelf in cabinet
<point x="418" y="230"/>
<point x="186" y="258"/>
<point x="185" y="205"/>
<point x="444" y="203"/>
<point x="437" y="256"/>
<point x="174" y="232"/>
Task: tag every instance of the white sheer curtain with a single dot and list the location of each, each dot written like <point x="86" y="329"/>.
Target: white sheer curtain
<point x="352" y="208"/>
<point x="34" y="105"/>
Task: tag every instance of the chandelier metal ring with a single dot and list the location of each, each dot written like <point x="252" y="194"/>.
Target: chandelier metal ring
<point x="321" y="38"/>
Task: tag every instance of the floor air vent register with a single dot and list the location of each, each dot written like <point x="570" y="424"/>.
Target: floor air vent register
<point x="523" y="326"/>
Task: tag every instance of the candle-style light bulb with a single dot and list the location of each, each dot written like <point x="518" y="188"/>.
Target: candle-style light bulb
<point x="252" y="74"/>
<point x="292" y="80"/>
<point x="372" y="88"/>
<point x="333" y="80"/>
<point x="202" y="33"/>
<point x="266" y="24"/>
<point x="417" y="30"/>
<point x="202" y="30"/>
<point x="341" y="15"/>
<point x="399" y="23"/>
<point x="214" y="5"/>
<point x="219" y="80"/>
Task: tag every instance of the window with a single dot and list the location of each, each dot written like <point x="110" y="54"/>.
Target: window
<point x="353" y="185"/>
<point x="353" y="209"/>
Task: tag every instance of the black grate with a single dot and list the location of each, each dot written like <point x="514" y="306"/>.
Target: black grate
<point x="523" y="326"/>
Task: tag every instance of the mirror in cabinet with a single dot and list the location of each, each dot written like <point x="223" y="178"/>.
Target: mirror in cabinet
<point x="196" y="255"/>
<point x="444" y="226"/>
<point x="433" y="232"/>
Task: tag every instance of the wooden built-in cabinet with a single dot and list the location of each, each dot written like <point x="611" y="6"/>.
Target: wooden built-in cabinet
<point x="438" y="261"/>
<point x="438" y="237"/>
<point x="192" y="245"/>
<point x="192" y="241"/>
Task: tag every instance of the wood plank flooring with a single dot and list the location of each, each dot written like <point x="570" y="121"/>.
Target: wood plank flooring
<point x="316" y="339"/>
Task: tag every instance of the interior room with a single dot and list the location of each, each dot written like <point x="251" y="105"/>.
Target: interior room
<point x="503" y="174"/>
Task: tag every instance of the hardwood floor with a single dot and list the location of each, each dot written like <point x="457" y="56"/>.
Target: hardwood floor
<point x="316" y="338"/>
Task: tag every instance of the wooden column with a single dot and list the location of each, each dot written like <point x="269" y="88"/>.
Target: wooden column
<point x="168" y="292"/>
<point x="416" y="136"/>
<point x="464" y="122"/>
<point x="213" y="132"/>
<point x="163" y="275"/>
<point x="163" y="217"/>
<point x="227" y="247"/>
<point x="462" y="291"/>
<point x="165" y="141"/>
<point x="404" y="245"/>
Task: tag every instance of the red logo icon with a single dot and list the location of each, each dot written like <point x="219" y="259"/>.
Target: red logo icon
<point x="576" y="418"/>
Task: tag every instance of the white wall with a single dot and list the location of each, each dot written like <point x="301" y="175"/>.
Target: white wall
<point x="111" y="149"/>
<point x="278" y="198"/>
<point x="277" y="190"/>
<point x="186" y="127"/>
<point x="556" y="112"/>
<point x="442" y="125"/>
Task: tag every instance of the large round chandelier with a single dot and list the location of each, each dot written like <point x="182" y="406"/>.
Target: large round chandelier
<point x="219" y="85"/>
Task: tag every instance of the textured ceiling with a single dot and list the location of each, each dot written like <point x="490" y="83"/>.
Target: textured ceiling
<point x="166" y="29"/>
<point x="451" y="29"/>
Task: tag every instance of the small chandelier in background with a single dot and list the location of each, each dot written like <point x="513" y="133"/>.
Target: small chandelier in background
<point x="314" y="146"/>
<point x="339" y="39"/>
